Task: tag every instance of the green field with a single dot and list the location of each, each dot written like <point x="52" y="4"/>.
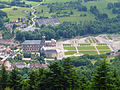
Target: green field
<point x="86" y="48"/>
<point x="102" y="6"/>
<point x="89" y="52"/>
<point x="53" y="1"/>
<point x="102" y="47"/>
<point x="69" y="48"/>
<point x="70" y="52"/>
<point x="84" y="44"/>
<point x="15" y="14"/>
<point x="106" y="51"/>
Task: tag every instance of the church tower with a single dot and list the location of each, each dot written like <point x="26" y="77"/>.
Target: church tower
<point x="43" y="40"/>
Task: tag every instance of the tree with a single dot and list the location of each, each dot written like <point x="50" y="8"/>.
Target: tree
<point x="4" y="78"/>
<point x="102" y="80"/>
<point x="15" y="79"/>
<point x="33" y="80"/>
<point x="70" y="76"/>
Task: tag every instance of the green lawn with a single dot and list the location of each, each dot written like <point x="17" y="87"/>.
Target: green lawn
<point x="102" y="47"/>
<point x="86" y="48"/>
<point x="69" y="48"/>
<point x="89" y="52"/>
<point x="90" y="40"/>
<point x="70" y="52"/>
<point x="105" y="51"/>
<point x="84" y="44"/>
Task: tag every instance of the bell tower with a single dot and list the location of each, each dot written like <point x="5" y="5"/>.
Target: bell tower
<point x="43" y="40"/>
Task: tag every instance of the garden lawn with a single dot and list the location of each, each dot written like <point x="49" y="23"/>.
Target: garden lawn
<point x="86" y="48"/>
<point x="69" y="48"/>
<point x="89" y="52"/>
<point x="70" y="52"/>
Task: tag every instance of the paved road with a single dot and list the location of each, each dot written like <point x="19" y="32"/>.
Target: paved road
<point x="32" y="26"/>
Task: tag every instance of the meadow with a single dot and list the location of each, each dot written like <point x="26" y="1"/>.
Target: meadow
<point x="15" y="14"/>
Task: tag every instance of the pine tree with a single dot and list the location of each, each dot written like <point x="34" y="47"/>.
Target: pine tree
<point x="70" y="76"/>
<point x="57" y="75"/>
<point x="102" y="80"/>
<point x="33" y="80"/>
<point x="84" y="84"/>
<point x="4" y="78"/>
<point x="15" y="79"/>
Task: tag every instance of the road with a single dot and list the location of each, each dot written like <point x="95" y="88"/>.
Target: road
<point x="32" y="26"/>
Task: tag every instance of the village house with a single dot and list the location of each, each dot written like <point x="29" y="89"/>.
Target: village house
<point x="19" y="65"/>
<point x="38" y="65"/>
<point x="7" y="65"/>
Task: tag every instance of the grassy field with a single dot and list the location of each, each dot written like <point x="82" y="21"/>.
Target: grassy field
<point x="102" y="47"/>
<point x="89" y="52"/>
<point x="106" y="51"/>
<point x="86" y="48"/>
<point x="53" y="1"/>
<point x="69" y="48"/>
<point x="15" y="14"/>
<point x="76" y="17"/>
<point x="102" y="6"/>
<point x="70" y="52"/>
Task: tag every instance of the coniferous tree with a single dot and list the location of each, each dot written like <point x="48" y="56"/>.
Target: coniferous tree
<point x="102" y="80"/>
<point x="57" y="74"/>
<point x="84" y="84"/>
<point x="33" y="80"/>
<point x="4" y="78"/>
<point x="70" y="76"/>
<point x="15" y="79"/>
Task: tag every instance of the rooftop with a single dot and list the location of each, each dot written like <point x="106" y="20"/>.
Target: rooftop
<point x="32" y="42"/>
<point x="51" y="51"/>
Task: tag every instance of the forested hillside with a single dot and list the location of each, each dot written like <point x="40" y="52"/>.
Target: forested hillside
<point x="70" y="73"/>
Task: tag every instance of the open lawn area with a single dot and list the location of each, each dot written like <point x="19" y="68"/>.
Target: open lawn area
<point x="105" y="51"/>
<point x="89" y="52"/>
<point x="86" y="48"/>
<point x="84" y="44"/>
<point x="102" y="47"/>
<point x="69" y="48"/>
<point x="70" y="52"/>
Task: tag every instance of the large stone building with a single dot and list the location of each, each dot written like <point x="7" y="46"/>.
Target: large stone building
<point x="36" y="45"/>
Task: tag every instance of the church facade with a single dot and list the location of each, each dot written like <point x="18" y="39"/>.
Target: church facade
<point x="36" y="45"/>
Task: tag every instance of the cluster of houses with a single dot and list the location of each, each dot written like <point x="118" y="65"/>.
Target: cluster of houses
<point x="20" y="65"/>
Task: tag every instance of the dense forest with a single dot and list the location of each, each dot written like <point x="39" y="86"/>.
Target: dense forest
<point x="70" y="73"/>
